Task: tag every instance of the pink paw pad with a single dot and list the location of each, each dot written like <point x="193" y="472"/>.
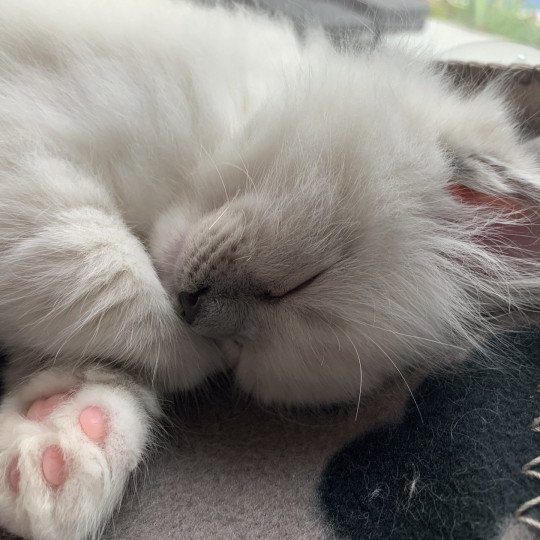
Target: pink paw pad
<point x="41" y="408"/>
<point x="53" y="466"/>
<point x="93" y="422"/>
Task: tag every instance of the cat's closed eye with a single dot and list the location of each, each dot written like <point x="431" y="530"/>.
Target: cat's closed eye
<point x="270" y="296"/>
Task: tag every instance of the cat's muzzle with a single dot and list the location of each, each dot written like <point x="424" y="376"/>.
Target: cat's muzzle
<point x="191" y="303"/>
<point x="211" y="314"/>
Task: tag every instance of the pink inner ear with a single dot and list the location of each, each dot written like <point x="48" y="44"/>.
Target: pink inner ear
<point x="520" y="240"/>
<point x="470" y="196"/>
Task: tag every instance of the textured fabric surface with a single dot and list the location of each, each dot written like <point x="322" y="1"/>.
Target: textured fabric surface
<point x="235" y="470"/>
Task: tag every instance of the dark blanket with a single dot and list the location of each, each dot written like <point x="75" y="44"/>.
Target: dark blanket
<point x="452" y="468"/>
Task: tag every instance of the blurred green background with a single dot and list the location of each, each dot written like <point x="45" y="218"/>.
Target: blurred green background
<point x="518" y="20"/>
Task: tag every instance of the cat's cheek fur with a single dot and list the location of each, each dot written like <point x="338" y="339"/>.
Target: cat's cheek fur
<point x="166" y="243"/>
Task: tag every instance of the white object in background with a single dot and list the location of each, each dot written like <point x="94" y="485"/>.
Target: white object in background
<point x="493" y="52"/>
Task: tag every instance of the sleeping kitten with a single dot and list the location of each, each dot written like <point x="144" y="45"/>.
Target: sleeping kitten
<point x="185" y="190"/>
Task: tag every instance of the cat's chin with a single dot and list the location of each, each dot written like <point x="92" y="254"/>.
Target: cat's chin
<point x="291" y="389"/>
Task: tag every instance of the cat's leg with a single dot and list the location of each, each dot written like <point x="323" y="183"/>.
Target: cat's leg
<point x="68" y="443"/>
<point x="75" y="282"/>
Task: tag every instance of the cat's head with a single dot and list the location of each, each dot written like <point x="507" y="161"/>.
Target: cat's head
<point x="349" y="249"/>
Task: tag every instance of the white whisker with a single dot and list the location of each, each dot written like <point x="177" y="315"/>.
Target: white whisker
<point x="361" y="376"/>
<point x="400" y="373"/>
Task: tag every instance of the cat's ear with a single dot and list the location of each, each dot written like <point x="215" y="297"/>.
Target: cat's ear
<point x="488" y="176"/>
<point x="510" y="191"/>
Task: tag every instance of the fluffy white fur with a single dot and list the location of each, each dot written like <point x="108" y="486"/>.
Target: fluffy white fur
<point x="149" y="148"/>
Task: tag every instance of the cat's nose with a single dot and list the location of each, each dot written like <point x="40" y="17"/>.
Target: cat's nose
<point x="191" y="304"/>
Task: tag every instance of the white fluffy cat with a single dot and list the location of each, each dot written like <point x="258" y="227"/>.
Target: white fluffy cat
<point x="185" y="190"/>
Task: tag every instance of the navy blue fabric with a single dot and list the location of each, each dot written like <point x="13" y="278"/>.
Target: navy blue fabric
<point x="455" y="473"/>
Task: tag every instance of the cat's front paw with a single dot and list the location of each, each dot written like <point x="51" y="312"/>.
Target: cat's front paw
<point x="67" y="447"/>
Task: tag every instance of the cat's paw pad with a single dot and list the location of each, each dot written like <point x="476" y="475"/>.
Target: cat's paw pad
<point x="93" y="422"/>
<point x="66" y="455"/>
<point x="53" y="468"/>
<point x="92" y="419"/>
